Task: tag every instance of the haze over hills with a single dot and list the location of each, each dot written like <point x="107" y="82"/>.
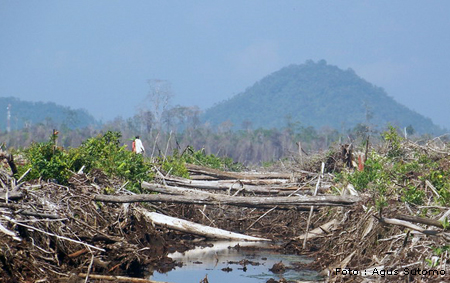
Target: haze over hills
<point x="317" y="95"/>
<point x="312" y="94"/>
<point x="25" y="113"/>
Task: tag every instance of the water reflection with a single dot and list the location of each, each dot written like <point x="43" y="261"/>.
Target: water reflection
<point x="223" y="263"/>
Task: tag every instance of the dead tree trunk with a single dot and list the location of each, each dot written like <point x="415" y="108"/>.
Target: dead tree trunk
<point x="195" y="228"/>
<point x="212" y="199"/>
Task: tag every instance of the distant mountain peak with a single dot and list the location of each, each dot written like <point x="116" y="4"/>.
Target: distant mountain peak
<point x="319" y="95"/>
<point x="25" y="113"/>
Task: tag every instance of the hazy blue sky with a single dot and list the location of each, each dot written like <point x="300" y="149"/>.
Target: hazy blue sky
<point x="98" y="55"/>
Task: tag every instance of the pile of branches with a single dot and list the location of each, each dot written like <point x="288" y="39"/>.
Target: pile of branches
<point x="50" y="232"/>
<point x="401" y="242"/>
<point x="364" y="245"/>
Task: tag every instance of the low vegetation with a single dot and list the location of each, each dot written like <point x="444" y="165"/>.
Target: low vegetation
<point x="396" y="179"/>
<point x="396" y="168"/>
<point x="48" y="161"/>
<point x="402" y="169"/>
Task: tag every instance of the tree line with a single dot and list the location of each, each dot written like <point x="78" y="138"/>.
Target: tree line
<point x="165" y="129"/>
<point x="178" y="128"/>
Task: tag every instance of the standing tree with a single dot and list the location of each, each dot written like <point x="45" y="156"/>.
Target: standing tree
<point x="158" y="97"/>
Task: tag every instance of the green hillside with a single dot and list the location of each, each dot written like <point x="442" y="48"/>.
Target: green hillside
<point x="318" y="95"/>
<point x="25" y="113"/>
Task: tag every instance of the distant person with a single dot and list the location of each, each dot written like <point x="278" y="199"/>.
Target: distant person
<point x="137" y="146"/>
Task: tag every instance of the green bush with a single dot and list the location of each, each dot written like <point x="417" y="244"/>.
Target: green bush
<point x="176" y="164"/>
<point x="395" y="174"/>
<point x="413" y="195"/>
<point x="199" y="157"/>
<point x="47" y="162"/>
<point x="374" y="173"/>
<point x="440" y="180"/>
<point x="394" y="142"/>
<point x="103" y="152"/>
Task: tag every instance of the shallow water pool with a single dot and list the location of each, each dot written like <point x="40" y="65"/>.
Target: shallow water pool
<point x="220" y="264"/>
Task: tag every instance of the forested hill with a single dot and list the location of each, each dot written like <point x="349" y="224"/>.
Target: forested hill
<point x="317" y="95"/>
<point x="25" y="113"/>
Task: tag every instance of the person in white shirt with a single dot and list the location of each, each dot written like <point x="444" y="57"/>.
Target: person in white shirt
<point x="138" y="147"/>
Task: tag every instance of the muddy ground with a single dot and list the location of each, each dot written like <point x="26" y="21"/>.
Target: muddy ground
<point x="55" y="233"/>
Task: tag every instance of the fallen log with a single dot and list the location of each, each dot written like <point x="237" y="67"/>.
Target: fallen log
<point x="197" y="169"/>
<point x="9" y="232"/>
<point x="408" y="225"/>
<point x="195" y="228"/>
<point x="320" y="231"/>
<point x="213" y="172"/>
<point x="426" y="221"/>
<point x="117" y="278"/>
<point x="172" y="190"/>
<point x="251" y="186"/>
<point x="12" y="195"/>
<point x="183" y="191"/>
<point x="40" y="215"/>
<point x="273" y="187"/>
<point x="213" y="199"/>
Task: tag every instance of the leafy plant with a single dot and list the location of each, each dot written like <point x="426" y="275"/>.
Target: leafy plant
<point x="438" y="251"/>
<point x="48" y="162"/>
<point x="374" y="173"/>
<point x="104" y="152"/>
<point x="413" y="195"/>
<point x="176" y="164"/>
<point x="199" y="157"/>
<point x="445" y="223"/>
<point x="432" y="263"/>
<point x="394" y="142"/>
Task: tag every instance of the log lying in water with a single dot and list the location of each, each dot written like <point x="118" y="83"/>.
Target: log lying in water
<point x="195" y="228"/>
<point x="213" y="199"/>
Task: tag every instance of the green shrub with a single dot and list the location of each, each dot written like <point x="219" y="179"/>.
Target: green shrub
<point x="374" y="173"/>
<point x="176" y="164"/>
<point x="394" y="142"/>
<point x="199" y="157"/>
<point x="103" y="152"/>
<point x="47" y="162"/>
<point x="413" y="195"/>
<point x="440" y="180"/>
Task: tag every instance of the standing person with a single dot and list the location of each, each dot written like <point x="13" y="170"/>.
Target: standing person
<point x="137" y="145"/>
